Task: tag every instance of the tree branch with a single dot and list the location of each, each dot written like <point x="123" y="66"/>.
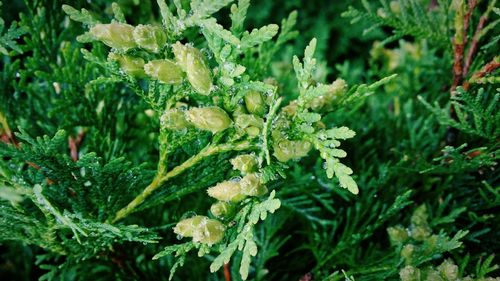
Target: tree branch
<point x="161" y="178"/>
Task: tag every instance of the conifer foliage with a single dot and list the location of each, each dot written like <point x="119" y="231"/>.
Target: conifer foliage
<point x="196" y="140"/>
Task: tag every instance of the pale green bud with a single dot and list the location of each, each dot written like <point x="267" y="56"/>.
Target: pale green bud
<point x="420" y="233"/>
<point x="291" y="109"/>
<point x="433" y="275"/>
<point x="165" y="71"/>
<point x="409" y="273"/>
<point x="252" y="131"/>
<point x="328" y="100"/>
<point x="395" y="7"/>
<point x="193" y="63"/>
<point x="286" y="150"/>
<point x="381" y="13"/>
<point x="186" y="227"/>
<point x="247" y="120"/>
<point x="174" y="119"/>
<point x="240" y="109"/>
<point x="210" y="232"/>
<point x="212" y="119"/>
<point x="250" y="123"/>
<point x="222" y="209"/>
<point x="115" y="35"/>
<point x="420" y="216"/>
<point x="397" y="234"/>
<point x="130" y="65"/>
<point x="407" y="252"/>
<point x="245" y="163"/>
<point x="226" y="191"/>
<point x="149" y="37"/>
<point x="202" y="229"/>
<point x="180" y="52"/>
<point x="449" y="270"/>
<point x="251" y="185"/>
<point x="255" y="103"/>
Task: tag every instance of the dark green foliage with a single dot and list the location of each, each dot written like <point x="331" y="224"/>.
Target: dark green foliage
<point x="81" y="140"/>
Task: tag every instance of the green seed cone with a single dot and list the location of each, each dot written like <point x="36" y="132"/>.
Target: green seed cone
<point x="149" y="37"/>
<point x="202" y="229"/>
<point x="326" y="102"/>
<point x="165" y="71"/>
<point x="244" y="163"/>
<point x="255" y="103"/>
<point x="210" y="232"/>
<point x="410" y="273"/>
<point x="449" y="270"/>
<point x="180" y="52"/>
<point x="212" y="119"/>
<point x="397" y="235"/>
<point x="251" y="185"/>
<point x="222" y="209"/>
<point x="174" y="119"/>
<point x="286" y="150"/>
<point x="246" y="120"/>
<point x="130" y="65"/>
<point x="193" y="63"/>
<point x="228" y="191"/>
<point x="186" y="227"/>
<point x="115" y="35"/>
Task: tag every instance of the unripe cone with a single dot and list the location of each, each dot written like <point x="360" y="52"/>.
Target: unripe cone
<point x="202" y="229"/>
<point x="115" y="35"/>
<point x="222" y="209"/>
<point x="165" y="71"/>
<point x="286" y="150"/>
<point x="130" y="65"/>
<point x="251" y="185"/>
<point x="255" y="103"/>
<point x="212" y="119"/>
<point x="449" y="270"/>
<point x="245" y="163"/>
<point x="186" y="227"/>
<point x="249" y="120"/>
<point x="229" y="191"/>
<point x="149" y="37"/>
<point x="174" y="119"/>
<point x="410" y="273"/>
<point x="210" y="232"/>
<point x="193" y="63"/>
<point x="180" y="52"/>
<point x="327" y="101"/>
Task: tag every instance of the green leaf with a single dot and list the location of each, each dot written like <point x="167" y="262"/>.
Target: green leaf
<point x="238" y="15"/>
<point x="258" y="36"/>
<point x="210" y="27"/>
<point x="205" y="8"/>
<point x="83" y="16"/>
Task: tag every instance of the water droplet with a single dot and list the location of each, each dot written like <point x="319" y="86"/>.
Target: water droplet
<point x="235" y="179"/>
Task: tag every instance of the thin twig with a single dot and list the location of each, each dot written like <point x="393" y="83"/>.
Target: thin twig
<point x="485" y="70"/>
<point x="7" y="136"/>
<point x="458" y="49"/>
<point x="474" y="44"/>
<point x="74" y="144"/>
<point x="227" y="272"/>
<point x="471" y="6"/>
<point x="161" y="178"/>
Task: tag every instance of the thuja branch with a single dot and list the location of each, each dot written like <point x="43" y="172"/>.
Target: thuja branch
<point x="459" y="41"/>
<point x="161" y="178"/>
<point x="475" y="39"/>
